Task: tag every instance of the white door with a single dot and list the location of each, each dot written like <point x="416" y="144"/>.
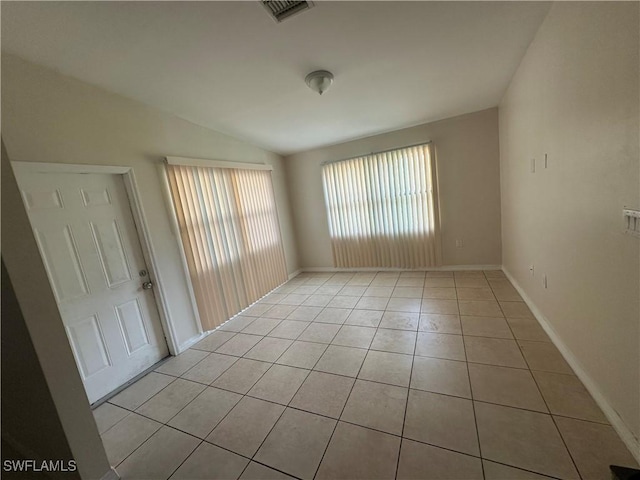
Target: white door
<point x="90" y="247"/>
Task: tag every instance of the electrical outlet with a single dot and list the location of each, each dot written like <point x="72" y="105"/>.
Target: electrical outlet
<point x="532" y="269"/>
<point x="459" y="243"/>
<point x="632" y="221"/>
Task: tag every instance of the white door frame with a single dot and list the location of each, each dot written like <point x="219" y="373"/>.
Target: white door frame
<point x="139" y="218"/>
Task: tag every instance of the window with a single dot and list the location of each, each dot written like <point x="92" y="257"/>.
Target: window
<point x="230" y="235"/>
<point x="382" y="209"/>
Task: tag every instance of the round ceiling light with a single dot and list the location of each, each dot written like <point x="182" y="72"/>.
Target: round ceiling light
<point x="319" y="81"/>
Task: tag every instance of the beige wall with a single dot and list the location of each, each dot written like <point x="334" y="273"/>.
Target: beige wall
<point x="469" y="185"/>
<point x="47" y="117"/>
<point x="575" y="97"/>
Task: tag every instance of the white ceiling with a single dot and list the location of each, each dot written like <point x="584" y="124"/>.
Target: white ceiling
<point x="228" y="66"/>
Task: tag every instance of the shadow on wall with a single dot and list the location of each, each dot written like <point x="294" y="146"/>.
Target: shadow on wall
<point x="30" y="424"/>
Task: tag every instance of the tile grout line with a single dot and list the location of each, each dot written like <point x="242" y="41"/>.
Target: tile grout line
<point x="409" y="383"/>
<point x="201" y="441"/>
<point x="575" y="465"/>
<point x="406" y="405"/>
<point x="185" y="406"/>
<point x="284" y="410"/>
<point x="165" y="424"/>
<point x="326" y="448"/>
<point x="274" y="423"/>
<point x="250" y="459"/>
<point x="330" y="418"/>
<point x="186" y="458"/>
<point x="350" y="377"/>
<point x="242" y="397"/>
<point x="473" y="405"/>
<point x="338" y="420"/>
<point x="371" y="381"/>
<point x="312" y="369"/>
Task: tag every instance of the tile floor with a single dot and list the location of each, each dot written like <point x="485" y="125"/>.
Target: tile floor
<point x="366" y="375"/>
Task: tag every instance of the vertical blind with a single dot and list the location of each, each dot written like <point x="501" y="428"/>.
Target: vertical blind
<point x="231" y="237"/>
<point x="382" y="209"/>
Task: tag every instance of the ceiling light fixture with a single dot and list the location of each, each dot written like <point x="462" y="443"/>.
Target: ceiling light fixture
<point x="319" y="81"/>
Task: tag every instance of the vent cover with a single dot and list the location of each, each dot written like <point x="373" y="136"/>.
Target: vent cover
<point x="280" y="10"/>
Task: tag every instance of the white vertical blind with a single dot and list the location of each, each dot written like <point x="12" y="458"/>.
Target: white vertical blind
<point x="382" y="209"/>
<point x="231" y="237"/>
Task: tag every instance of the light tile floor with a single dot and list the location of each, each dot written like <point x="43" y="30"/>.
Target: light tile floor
<point x="366" y="375"/>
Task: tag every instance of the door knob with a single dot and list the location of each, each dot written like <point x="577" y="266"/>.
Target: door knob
<point x="147" y="285"/>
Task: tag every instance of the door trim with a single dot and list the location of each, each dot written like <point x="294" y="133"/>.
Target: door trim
<point x="139" y="219"/>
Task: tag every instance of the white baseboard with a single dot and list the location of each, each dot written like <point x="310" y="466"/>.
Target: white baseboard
<point x="191" y="342"/>
<point x="448" y="268"/>
<point x="445" y="268"/>
<point x="195" y="339"/>
<point x="627" y="436"/>
<point x="111" y="475"/>
<point x="295" y="274"/>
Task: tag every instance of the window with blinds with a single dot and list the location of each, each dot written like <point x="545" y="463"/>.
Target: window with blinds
<point x="230" y="235"/>
<point x="382" y="209"/>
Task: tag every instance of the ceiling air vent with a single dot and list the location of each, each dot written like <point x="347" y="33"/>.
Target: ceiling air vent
<point x="280" y="10"/>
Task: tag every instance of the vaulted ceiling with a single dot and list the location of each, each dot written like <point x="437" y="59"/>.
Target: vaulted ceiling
<point x="228" y="66"/>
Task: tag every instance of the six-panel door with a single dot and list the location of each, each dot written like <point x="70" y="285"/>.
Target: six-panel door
<point x="88" y="241"/>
